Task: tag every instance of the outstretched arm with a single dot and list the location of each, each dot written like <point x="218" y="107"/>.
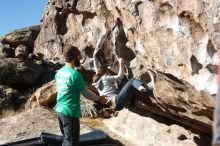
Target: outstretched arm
<point x="91" y="96"/>
<point x="95" y="61"/>
<point x="96" y="64"/>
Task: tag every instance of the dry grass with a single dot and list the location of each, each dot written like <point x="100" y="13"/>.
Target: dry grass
<point x="11" y="112"/>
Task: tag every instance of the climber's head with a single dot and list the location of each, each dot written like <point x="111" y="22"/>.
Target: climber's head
<point x="103" y="70"/>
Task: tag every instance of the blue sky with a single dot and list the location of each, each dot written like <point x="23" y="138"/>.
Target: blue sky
<point x="16" y="14"/>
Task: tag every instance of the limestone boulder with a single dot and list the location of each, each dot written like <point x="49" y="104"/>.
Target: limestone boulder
<point x="25" y="36"/>
<point x="179" y="101"/>
<point x="46" y="96"/>
<point x="150" y="130"/>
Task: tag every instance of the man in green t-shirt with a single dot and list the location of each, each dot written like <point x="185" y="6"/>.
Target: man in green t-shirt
<point x="70" y="84"/>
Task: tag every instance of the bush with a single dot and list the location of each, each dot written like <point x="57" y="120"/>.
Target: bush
<point x="6" y="72"/>
<point x="9" y="99"/>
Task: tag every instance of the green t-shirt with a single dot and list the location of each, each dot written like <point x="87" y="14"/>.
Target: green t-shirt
<point x="69" y="84"/>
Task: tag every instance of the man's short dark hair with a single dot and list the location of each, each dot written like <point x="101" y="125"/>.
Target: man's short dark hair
<point x="71" y="53"/>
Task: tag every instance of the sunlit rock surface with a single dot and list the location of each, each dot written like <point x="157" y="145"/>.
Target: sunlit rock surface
<point x="173" y="36"/>
<point x="151" y="130"/>
<point x="173" y="39"/>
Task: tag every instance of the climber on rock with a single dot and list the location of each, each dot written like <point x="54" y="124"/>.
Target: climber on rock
<point x="104" y="81"/>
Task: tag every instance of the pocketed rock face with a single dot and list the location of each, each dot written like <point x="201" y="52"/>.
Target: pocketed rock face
<point x="172" y="36"/>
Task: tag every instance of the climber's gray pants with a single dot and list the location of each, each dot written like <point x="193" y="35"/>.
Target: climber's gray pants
<point x="127" y="92"/>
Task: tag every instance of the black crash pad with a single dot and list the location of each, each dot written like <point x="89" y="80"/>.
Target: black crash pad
<point x="93" y="138"/>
